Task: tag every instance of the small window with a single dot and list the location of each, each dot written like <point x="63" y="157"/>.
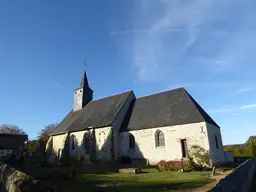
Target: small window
<point x="59" y="154"/>
<point x="184" y="148"/>
<point x="216" y="142"/>
<point x="80" y="90"/>
<point x="131" y="142"/>
<point x="73" y="142"/>
<point x="86" y="142"/>
<point x="102" y="137"/>
<point x="159" y="139"/>
<point x="75" y="92"/>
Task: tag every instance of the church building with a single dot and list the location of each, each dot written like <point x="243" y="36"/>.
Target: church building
<point x="162" y="126"/>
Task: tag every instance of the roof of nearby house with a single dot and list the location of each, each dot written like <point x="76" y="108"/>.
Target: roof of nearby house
<point x="97" y="113"/>
<point x="168" y="108"/>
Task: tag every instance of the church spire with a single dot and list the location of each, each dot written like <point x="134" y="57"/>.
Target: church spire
<point x="84" y="81"/>
<point x="83" y="94"/>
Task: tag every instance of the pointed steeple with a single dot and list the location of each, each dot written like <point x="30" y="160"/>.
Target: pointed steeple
<point x="84" y="81"/>
<point x="83" y="94"/>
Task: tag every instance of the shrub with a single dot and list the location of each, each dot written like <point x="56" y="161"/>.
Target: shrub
<point x="192" y="165"/>
<point x="173" y="166"/>
<point x="199" y="158"/>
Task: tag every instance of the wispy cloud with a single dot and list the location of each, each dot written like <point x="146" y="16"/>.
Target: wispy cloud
<point x="125" y="32"/>
<point x="227" y="110"/>
<point x="201" y="35"/>
<point x="248" y="106"/>
<point x="150" y="49"/>
<point x="141" y="31"/>
<point x="244" y="90"/>
<point x="57" y="84"/>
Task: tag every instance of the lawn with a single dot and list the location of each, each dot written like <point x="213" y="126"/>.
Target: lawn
<point x="106" y="178"/>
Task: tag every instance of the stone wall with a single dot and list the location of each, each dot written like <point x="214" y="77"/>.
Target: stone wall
<point x="58" y="142"/>
<point x="239" y="180"/>
<point x="229" y="157"/>
<point x="216" y="150"/>
<point x="12" y="180"/>
<point x="120" y="118"/>
<point x="145" y="148"/>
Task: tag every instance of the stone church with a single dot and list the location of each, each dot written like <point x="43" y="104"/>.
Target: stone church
<point x="157" y="127"/>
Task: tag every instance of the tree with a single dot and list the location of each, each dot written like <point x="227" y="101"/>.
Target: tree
<point x="250" y="146"/>
<point x="33" y="146"/>
<point x="237" y="149"/>
<point x="45" y="133"/>
<point x="11" y="129"/>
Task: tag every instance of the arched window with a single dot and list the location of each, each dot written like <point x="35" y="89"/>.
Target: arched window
<point x="102" y="137"/>
<point x="159" y="137"/>
<point x="73" y="142"/>
<point x="86" y="142"/>
<point x="216" y="142"/>
<point x="59" y="154"/>
<point x="131" y="142"/>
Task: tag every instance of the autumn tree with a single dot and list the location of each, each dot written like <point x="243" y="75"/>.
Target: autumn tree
<point x="45" y="133"/>
<point x="11" y="129"/>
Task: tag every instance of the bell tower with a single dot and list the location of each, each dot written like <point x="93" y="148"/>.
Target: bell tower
<point x="83" y="94"/>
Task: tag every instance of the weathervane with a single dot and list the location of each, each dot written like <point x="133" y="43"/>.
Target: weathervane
<point x="85" y="64"/>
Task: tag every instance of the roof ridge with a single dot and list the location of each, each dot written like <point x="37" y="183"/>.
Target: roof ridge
<point x="118" y="112"/>
<point x="180" y="88"/>
<point x="111" y="96"/>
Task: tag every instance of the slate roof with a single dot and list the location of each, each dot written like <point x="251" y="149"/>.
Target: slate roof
<point x="97" y="113"/>
<point x="168" y="108"/>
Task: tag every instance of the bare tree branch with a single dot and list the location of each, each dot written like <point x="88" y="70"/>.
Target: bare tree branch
<point x="11" y="129"/>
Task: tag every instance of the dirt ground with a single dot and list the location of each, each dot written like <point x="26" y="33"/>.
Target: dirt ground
<point x="209" y="186"/>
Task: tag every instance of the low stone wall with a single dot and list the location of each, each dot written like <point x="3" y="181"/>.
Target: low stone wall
<point x="239" y="180"/>
<point x="12" y="180"/>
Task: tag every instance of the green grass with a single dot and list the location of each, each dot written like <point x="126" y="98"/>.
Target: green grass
<point x="106" y="178"/>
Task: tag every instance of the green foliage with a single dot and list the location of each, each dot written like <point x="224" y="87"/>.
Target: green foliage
<point x="199" y="158"/>
<point x="247" y="149"/>
<point x="250" y="146"/>
<point x="192" y="165"/>
<point x="237" y="150"/>
<point x="33" y="146"/>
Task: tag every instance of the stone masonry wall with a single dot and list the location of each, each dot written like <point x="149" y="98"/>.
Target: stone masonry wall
<point x="196" y="134"/>
<point x="218" y="154"/>
<point x="118" y="123"/>
<point x="58" y="142"/>
<point x="13" y="180"/>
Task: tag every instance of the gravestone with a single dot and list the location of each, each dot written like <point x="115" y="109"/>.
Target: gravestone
<point x="130" y="170"/>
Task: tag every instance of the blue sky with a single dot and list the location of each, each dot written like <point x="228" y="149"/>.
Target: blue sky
<point x="144" y="45"/>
